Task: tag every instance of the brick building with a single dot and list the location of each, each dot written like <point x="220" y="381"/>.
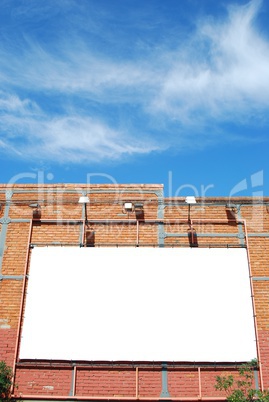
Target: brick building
<point x="50" y="241"/>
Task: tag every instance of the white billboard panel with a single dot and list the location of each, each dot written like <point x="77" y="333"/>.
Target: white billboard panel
<point x="138" y="304"/>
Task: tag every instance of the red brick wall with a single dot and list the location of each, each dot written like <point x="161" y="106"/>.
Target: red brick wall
<point x="59" y="202"/>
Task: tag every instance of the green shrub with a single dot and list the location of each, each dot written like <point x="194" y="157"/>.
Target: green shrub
<point x="242" y="390"/>
<point x="5" y="381"/>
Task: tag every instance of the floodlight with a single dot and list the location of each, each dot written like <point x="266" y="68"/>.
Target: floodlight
<point x="34" y="205"/>
<point x="138" y="205"/>
<point x="190" y="199"/>
<point x="128" y="206"/>
<point x="83" y="200"/>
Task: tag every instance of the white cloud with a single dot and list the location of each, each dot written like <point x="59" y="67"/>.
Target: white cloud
<point x="13" y="104"/>
<point x="64" y="139"/>
<point x="86" y="139"/>
<point x="227" y="78"/>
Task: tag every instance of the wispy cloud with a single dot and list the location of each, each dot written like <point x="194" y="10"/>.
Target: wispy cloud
<point x="76" y="139"/>
<point x="69" y="100"/>
<point x="222" y="74"/>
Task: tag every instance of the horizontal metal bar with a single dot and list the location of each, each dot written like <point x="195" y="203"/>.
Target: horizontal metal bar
<point x="11" y="277"/>
<point x="155" y="221"/>
<point x="56" y="398"/>
<point x="260" y="278"/>
<point x="115" y="365"/>
<point x="20" y="220"/>
<point x="55" y="244"/>
<point x="258" y="234"/>
<point x="202" y="234"/>
<point x="146" y="221"/>
<point x="221" y="203"/>
<point x="59" y="221"/>
<point x="67" y="201"/>
<point x="89" y="190"/>
<point x="170" y="245"/>
<point x="166" y="221"/>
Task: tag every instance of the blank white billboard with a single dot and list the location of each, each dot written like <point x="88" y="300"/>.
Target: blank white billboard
<point x="138" y="304"/>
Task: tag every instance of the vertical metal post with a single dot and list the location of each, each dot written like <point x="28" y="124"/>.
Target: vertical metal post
<point x="165" y="392"/>
<point x="73" y="381"/>
<point x="241" y="235"/>
<point x="5" y="221"/>
<point x="82" y="229"/>
<point x="22" y="304"/>
<point x="137" y="232"/>
<point x="200" y="384"/>
<point x="136" y="383"/>
<point x="160" y="215"/>
<point x="253" y="307"/>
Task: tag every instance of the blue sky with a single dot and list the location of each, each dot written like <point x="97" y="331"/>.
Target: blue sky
<point x="136" y="91"/>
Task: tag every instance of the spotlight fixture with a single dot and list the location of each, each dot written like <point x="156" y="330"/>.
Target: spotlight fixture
<point x="34" y="205"/>
<point x="36" y="210"/>
<point x="190" y="199"/>
<point x="138" y="205"/>
<point x="128" y="206"/>
<point x="232" y="207"/>
<point x="231" y="211"/>
<point x="83" y="199"/>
